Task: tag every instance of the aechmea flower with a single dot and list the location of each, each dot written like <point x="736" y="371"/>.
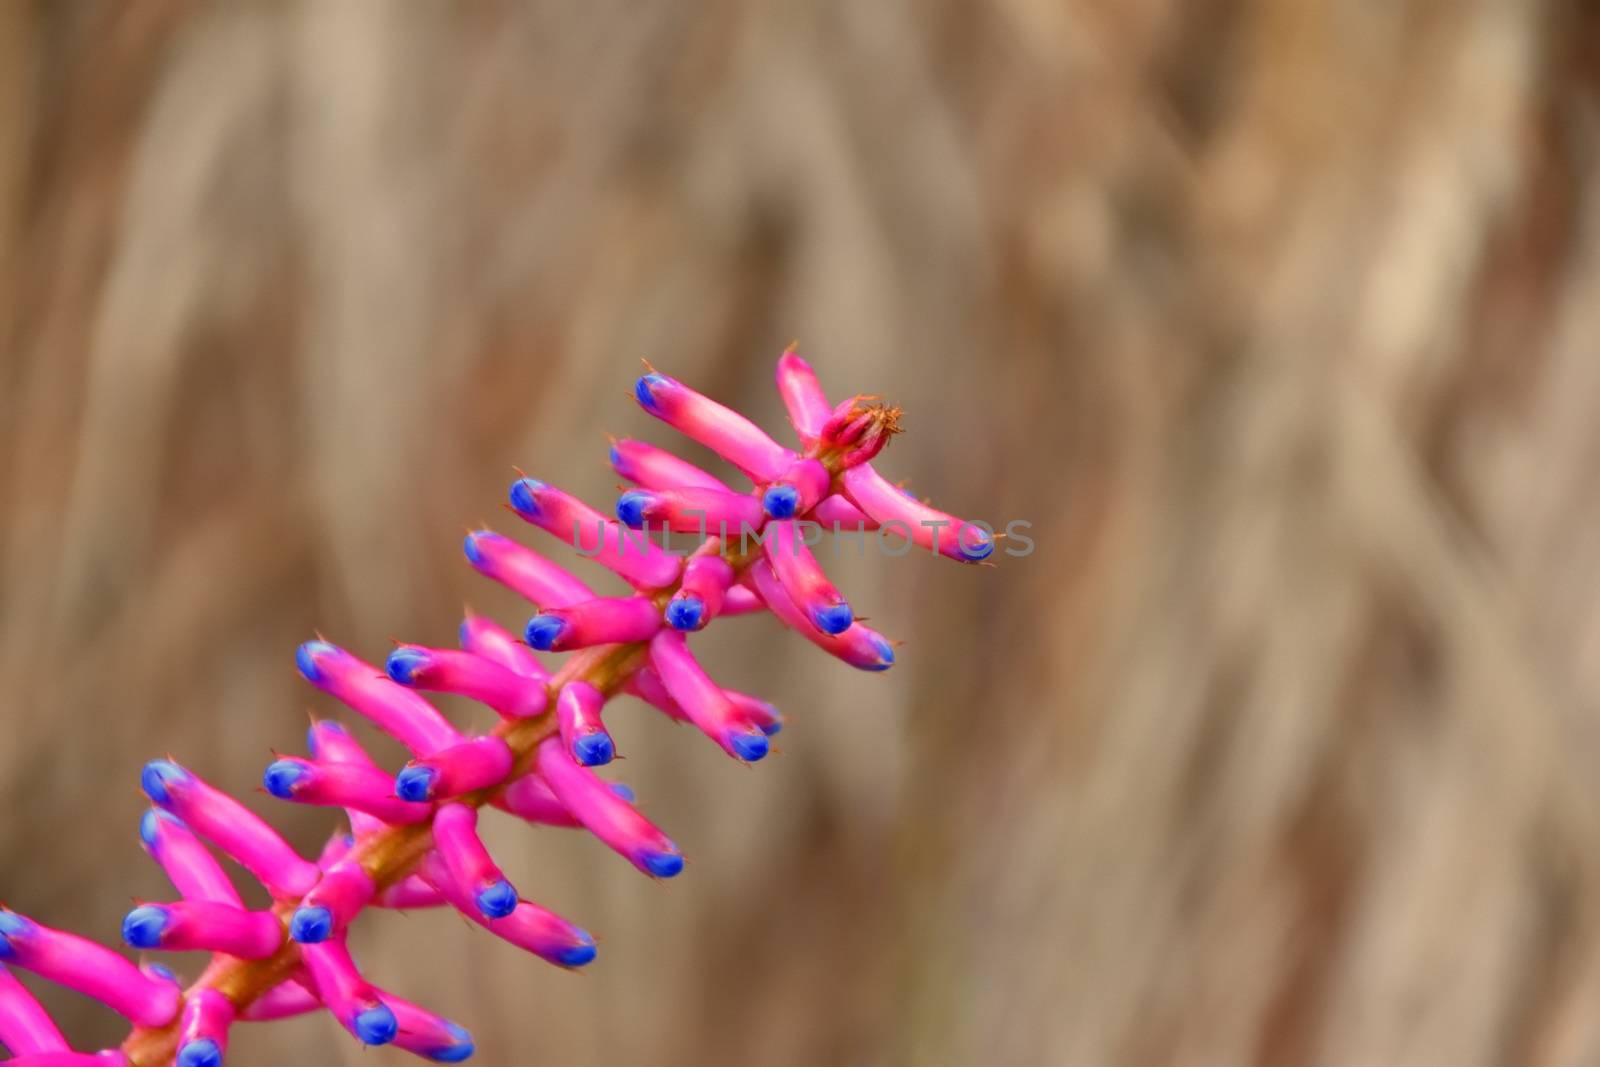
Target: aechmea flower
<point x="203" y="1029"/>
<point x="445" y="670"/>
<point x="859" y="429"/>
<point x="701" y="511"/>
<point x="607" y="815"/>
<point x="613" y="546"/>
<point x="924" y="526"/>
<point x="603" y="621"/>
<point x="802" y="396"/>
<point x="365" y="689"/>
<point x="703" y="701"/>
<point x="347" y="995"/>
<point x="427" y="1035"/>
<point x="329" y="907"/>
<point x="582" y="732"/>
<point x="188" y="865"/>
<point x="188" y="925"/>
<point x="455" y="836"/>
<point x="24" y="1024"/>
<point x="460" y="769"/>
<point x="723" y="430"/>
<point x="88" y="968"/>
<point x="238" y="832"/>
<point x="341" y="785"/>
<point x="656" y="468"/>
<point x="802" y="578"/>
<point x="487" y="638"/>
<point x="700" y="595"/>
<point x="524" y="571"/>
<point x="859" y="646"/>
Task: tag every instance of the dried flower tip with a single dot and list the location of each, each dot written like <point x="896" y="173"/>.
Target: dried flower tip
<point x="858" y="429"/>
<point x="582" y="731"/>
<point x="894" y="509"/>
<point x="655" y="468"/>
<point x="703" y="700"/>
<point x="203" y="925"/>
<point x="802" y="488"/>
<point x="803" y="579"/>
<point x="203" y="1030"/>
<point x="188" y="865"/>
<point x="238" y="832"/>
<point x="329" y="908"/>
<point x="427" y="1035"/>
<point x="455" y="835"/>
<point x="445" y="670"/>
<point x="341" y="785"/>
<point x="724" y="431"/>
<point x="697" y="511"/>
<point x="88" y="968"/>
<point x="607" y="815"/>
<point x="601" y="621"/>
<point x="395" y="710"/>
<point x="802" y="395"/>
<point x="487" y="638"/>
<point x="347" y="995"/>
<point x="523" y="571"/>
<point x="483" y="761"/>
<point x="860" y="645"/>
<point x="25" y="1027"/>
<point x="629" y="555"/>
<point x="699" y="598"/>
<point x="530" y="927"/>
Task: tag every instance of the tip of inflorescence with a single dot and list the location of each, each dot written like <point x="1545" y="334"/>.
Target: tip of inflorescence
<point x="686" y="612"/>
<point x="144" y="925"/>
<point x="201" y="1052"/>
<point x="415" y="783"/>
<point x="311" y="925"/>
<point x="498" y="900"/>
<point x="376" y="1026"/>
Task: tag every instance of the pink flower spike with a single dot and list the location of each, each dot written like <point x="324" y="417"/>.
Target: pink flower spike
<point x="860" y="646"/>
<point x="347" y="995"/>
<point x="455" y="835"/>
<point x="330" y="906"/>
<point x="445" y="670"/>
<point x="203" y="1030"/>
<point x="25" y="1026"/>
<point x="800" y="489"/>
<point x="656" y="468"/>
<point x="88" y="968"/>
<point x="395" y="710"/>
<point x="602" y="621"/>
<point x="524" y="571"/>
<point x="471" y="765"/>
<point x="188" y="865"/>
<point x="108" y="1058"/>
<point x="489" y="639"/>
<point x="646" y="684"/>
<point x="410" y="894"/>
<point x="896" y="510"/>
<point x="203" y="925"/>
<point x="706" y="578"/>
<point x="427" y="1035"/>
<point x="233" y="828"/>
<point x="707" y="512"/>
<point x="724" y="431"/>
<point x="741" y="601"/>
<point x="531" y="799"/>
<point x="631" y="555"/>
<point x="582" y="731"/>
<point x="531" y="927"/>
<point x="606" y="814"/>
<point x="341" y="785"/>
<point x="802" y="577"/>
<point x="283" y="1001"/>
<point x="802" y="395"/>
<point x="329" y="742"/>
<point x="702" y="700"/>
<point x="837" y="514"/>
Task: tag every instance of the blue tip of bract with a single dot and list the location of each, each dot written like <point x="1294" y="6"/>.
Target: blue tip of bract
<point x="616" y="456"/>
<point x="473" y="549"/>
<point x="201" y="1052"/>
<point x="781" y="501"/>
<point x="544" y="630"/>
<point x="772" y="726"/>
<point x="523" y="495"/>
<point x="143" y="926"/>
<point x="404" y="663"/>
<point x="749" y="747"/>
<point x="415" y="783"/>
<point x="593" y="750"/>
<point x="150" y="825"/>
<point x="376" y="1026"/>
<point x="685" y="613"/>
<point x="625" y="792"/>
<point x="321" y="726"/>
<point x="834" y="619"/>
<point x="581" y="953"/>
<point x="645" y="390"/>
<point x="305" y="657"/>
<point x="885" y="654"/>
<point x="280" y="778"/>
<point x="975" y="544"/>
<point x="12" y="926"/>
<point x="630" y="507"/>
<point x="158" y="777"/>
<point x="663" y="864"/>
<point x="161" y="971"/>
<point x="498" y="900"/>
<point x="311" y="925"/>
<point x="460" y="1049"/>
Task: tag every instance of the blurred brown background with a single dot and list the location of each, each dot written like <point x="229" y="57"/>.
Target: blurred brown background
<point x="1277" y="318"/>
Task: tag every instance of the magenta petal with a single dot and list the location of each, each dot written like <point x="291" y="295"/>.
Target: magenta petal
<point x="410" y="893"/>
<point x="802" y="395"/>
<point x="655" y="468"/>
<point x="524" y="571"/>
<point x="723" y="430"/>
<point x="428" y="1035"/>
<point x="602" y="621"/>
<point x="283" y="1001"/>
<point x="355" y="786"/>
<point x="189" y="866"/>
<point x="625" y="552"/>
<point x="860" y="646"/>
<point x="446" y="670"/>
<point x="346" y="994"/>
<point x="91" y="969"/>
<point x="395" y="710"/>
<point x="455" y="836"/>
<point x="602" y="812"/>
<point x="25" y="1026"/>
<point x="471" y="765"/>
<point x="899" y="512"/>
<point x="207" y="1016"/>
<point x="530" y="798"/>
<point x="803" y="579"/>
<point x="703" y="700"/>
<point x="582" y="731"/>
<point x="530" y="927"/>
<point x="493" y="642"/>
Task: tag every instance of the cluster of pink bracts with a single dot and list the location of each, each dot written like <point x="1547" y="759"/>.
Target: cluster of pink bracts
<point x="451" y="774"/>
